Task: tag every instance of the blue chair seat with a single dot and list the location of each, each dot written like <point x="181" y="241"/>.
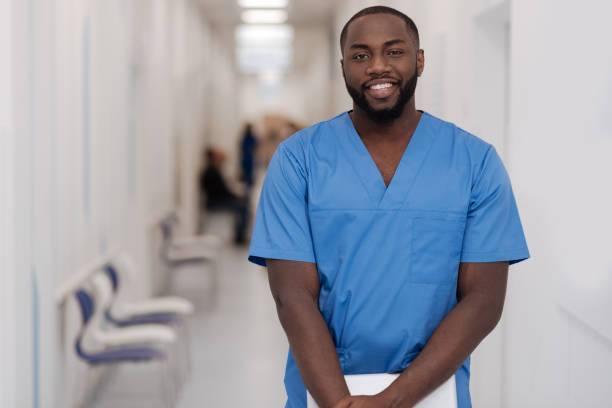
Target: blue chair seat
<point x="122" y="354"/>
<point x="110" y="355"/>
<point x="153" y="318"/>
<point x="150" y="318"/>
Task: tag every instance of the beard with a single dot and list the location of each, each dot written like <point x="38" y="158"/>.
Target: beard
<point x="384" y="116"/>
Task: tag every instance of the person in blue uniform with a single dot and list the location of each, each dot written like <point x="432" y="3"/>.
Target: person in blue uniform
<point x="248" y="146"/>
<point x="387" y="233"/>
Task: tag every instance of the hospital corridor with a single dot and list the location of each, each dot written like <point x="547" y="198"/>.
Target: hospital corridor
<point x="190" y="187"/>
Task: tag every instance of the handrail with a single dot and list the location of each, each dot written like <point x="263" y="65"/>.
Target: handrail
<point x="83" y="273"/>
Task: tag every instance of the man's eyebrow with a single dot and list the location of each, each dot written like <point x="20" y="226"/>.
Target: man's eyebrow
<point x="393" y="42"/>
<point x="359" y="46"/>
<point x="386" y="44"/>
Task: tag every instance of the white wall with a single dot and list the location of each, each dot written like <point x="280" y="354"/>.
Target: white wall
<point x="8" y="305"/>
<point x="225" y="118"/>
<point x="559" y="332"/>
<point x="192" y="82"/>
<point x="533" y="78"/>
<point x="90" y="117"/>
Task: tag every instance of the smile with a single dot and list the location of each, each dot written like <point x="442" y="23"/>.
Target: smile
<point x="381" y="90"/>
<point x="381" y="86"/>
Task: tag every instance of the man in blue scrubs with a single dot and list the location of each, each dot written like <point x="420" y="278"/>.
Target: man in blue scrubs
<point x="387" y="233"/>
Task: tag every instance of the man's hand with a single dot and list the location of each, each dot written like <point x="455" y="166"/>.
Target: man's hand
<point x="481" y="289"/>
<point x="295" y="287"/>
<point x="362" y="401"/>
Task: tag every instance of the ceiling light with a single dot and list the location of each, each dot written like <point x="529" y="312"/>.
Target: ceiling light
<point x="255" y="60"/>
<point x="263" y="3"/>
<point x="264" y="16"/>
<point x="264" y="35"/>
<point x="270" y="76"/>
<point x="264" y="48"/>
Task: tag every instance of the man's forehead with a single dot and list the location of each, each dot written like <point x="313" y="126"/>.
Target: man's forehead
<point x="377" y="27"/>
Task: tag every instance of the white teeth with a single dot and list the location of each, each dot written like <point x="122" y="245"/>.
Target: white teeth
<point x="381" y="86"/>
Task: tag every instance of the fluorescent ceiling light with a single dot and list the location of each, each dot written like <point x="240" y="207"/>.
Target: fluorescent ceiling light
<point x="263" y="3"/>
<point x="261" y="47"/>
<point x="270" y="76"/>
<point x="264" y="16"/>
<point x="256" y="60"/>
<point x="264" y="35"/>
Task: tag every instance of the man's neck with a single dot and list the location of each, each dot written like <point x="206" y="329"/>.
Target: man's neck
<point x="394" y="131"/>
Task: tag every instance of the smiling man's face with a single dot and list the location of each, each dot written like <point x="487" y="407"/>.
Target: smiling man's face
<point x="380" y="65"/>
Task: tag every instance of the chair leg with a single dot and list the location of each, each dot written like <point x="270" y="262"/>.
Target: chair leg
<point x="107" y="376"/>
<point x="175" y="371"/>
<point x="160" y="393"/>
<point x="168" y="397"/>
<point x="188" y="350"/>
<point x="182" y="352"/>
<point x="98" y="375"/>
<point x="180" y="356"/>
<point x="84" y="398"/>
<point x="185" y="350"/>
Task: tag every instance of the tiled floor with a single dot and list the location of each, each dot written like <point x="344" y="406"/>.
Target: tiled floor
<point x="238" y="346"/>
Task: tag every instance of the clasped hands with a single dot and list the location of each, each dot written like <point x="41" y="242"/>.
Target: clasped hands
<point x="365" y="401"/>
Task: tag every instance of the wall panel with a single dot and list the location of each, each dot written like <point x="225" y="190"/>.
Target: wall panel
<point x="89" y="115"/>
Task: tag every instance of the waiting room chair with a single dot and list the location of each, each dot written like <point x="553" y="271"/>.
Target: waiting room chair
<point x="111" y="356"/>
<point x="197" y="248"/>
<point x="168" y="310"/>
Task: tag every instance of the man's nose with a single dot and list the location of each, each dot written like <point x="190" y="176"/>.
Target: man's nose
<point x="378" y="65"/>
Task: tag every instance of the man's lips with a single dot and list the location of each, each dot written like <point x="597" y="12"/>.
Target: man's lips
<point x="381" y="88"/>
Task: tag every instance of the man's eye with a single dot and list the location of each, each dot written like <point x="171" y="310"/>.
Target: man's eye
<point x="359" y="56"/>
<point x="396" y="52"/>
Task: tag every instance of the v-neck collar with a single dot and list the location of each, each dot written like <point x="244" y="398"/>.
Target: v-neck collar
<point x="413" y="157"/>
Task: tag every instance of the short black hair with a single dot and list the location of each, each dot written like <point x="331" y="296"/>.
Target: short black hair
<point x="380" y="10"/>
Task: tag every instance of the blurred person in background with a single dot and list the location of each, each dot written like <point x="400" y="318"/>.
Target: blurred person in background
<point x="218" y="195"/>
<point x="248" y="146"/>
<point x="275" y="129"/>
<point x="387" y="234"/>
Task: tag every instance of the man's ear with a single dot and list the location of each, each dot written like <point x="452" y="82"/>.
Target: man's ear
<point x="420" y="62"/>
<point x="342" y="68"/>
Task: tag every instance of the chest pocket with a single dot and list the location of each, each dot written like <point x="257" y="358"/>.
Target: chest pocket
<point x="436" y="250"/>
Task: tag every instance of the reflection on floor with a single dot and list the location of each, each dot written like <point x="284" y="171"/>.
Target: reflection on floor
<point x="238" y="346"/>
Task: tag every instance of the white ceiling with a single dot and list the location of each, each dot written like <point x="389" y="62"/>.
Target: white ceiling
<point x="301" y="12"/>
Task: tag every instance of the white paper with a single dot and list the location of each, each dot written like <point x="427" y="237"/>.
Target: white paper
<point x="444" y="396"/>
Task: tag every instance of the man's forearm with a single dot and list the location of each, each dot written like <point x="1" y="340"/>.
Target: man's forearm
<point x="312" y="347"/>
<point x="449" y="346"/>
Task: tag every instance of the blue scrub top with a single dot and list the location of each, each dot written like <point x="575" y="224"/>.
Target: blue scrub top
<point x="388" y="257"/>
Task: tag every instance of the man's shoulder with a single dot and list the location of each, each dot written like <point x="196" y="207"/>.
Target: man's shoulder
<point x="457" y="135"/>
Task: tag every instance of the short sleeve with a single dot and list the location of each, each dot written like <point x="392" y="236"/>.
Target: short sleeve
<point x="282" y="226"/>
<point x="493" y="230"/>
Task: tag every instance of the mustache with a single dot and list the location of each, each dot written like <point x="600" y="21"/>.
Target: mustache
<point x="387" y="115"/>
